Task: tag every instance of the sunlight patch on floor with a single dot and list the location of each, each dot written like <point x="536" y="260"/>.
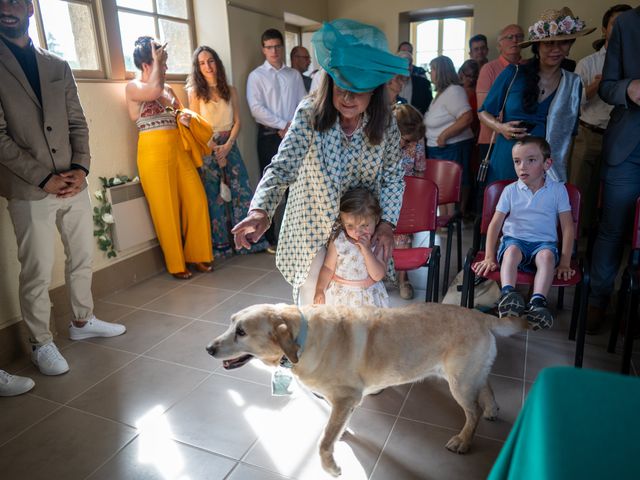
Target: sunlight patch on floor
<point x="289" y="438"/>
<point x="156" y="446"/>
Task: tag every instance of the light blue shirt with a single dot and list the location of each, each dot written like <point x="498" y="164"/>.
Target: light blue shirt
<point x="533" y="217"/>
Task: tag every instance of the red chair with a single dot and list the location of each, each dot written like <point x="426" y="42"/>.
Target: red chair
<point x="418" y="214"/>
<point x="580" y="280"/>
<point x="447" y="175"/>
<point x="628" y="298"/>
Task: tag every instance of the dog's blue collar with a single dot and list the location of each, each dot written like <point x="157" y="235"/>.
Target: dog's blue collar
<point x="300" y="340"/>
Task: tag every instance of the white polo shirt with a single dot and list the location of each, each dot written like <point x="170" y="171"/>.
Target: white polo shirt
<point x="533" y="217"/>
<point x="273" y="95"/>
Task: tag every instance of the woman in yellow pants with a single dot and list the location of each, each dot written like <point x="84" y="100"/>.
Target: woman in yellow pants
<point x="171" y="183"/>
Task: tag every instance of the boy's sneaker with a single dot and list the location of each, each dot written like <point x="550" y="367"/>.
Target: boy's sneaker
<point x="511" y="304"/>
<point x="48" y="360"/>
<point x="95" y="328"/>
<point x="11" y="385"/>
<point x="538" y="314"/>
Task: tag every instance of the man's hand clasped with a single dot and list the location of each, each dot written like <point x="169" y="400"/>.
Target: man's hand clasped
<point x="66" y="184"/>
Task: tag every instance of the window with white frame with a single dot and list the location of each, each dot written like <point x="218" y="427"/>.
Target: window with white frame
<point x="167" y="20"/>
<point x="76" y="30"/>
<point x="68" y="29"/>
<point x="441" y="36"/>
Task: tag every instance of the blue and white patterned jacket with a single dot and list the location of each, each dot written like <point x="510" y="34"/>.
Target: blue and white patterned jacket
<point x="318" y="168"/>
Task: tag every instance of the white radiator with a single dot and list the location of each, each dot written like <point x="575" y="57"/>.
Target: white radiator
<point x="132" y="220"/>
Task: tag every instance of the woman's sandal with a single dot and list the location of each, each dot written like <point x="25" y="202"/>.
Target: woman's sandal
<point x="406" y="291"/>
<point x="182" y="275"/>
<point x="204" y="267"/>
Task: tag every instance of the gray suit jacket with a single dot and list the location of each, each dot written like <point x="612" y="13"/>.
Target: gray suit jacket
<point x="38" y="139"/>
<point x="621" y="65"/>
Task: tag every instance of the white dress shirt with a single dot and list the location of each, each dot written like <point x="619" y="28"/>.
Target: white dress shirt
<point x="593" y="111"/>
<point x="273" y="95"/>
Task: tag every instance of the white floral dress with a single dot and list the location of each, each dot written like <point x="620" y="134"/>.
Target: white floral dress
<point x="350" y="266"/>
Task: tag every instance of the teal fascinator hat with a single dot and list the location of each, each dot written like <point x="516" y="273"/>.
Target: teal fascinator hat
<point x="356" y="55"/>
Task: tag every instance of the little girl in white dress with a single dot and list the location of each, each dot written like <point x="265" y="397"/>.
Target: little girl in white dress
<point x="352" y="274"/>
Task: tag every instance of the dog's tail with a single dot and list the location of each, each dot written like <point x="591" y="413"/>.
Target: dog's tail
<point x="507" y="326"/>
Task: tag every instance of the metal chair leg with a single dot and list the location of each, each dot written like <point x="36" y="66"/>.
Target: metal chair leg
<point x="575" y="312"/>
<point x="459" y="241"/>
<point x="560" y="298"/>
<point x="582" y="318"/>
<point x="436" y="275"/>
<point x="447" y="260"/>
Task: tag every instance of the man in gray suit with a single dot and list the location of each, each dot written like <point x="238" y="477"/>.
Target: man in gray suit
<point x="620" y="87"/>
<point x="44" y="159"/>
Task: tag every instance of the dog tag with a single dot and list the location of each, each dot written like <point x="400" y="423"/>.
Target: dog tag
<point x="281" y="381"/>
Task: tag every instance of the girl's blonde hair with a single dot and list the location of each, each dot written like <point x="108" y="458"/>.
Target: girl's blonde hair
<point x="410" y="121"/>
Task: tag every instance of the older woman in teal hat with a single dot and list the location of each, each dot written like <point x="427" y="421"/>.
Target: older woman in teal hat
<point x="343" y="136"/>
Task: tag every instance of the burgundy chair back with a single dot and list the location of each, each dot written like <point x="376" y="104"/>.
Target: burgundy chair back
<point x="447" y="175"/>
<point x="491" y="196"/>
<point x="419" y="206"/>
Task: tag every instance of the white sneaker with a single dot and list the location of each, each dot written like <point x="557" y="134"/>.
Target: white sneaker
<point x="95" y="328"/>
<point x="49" y="360"/>
<point x="11" y="385"/>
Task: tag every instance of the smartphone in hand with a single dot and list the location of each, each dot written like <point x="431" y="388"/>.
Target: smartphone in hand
<point x="528" y="125"/>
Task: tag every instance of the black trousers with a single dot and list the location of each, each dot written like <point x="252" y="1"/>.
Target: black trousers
<point x="268" y="143"/>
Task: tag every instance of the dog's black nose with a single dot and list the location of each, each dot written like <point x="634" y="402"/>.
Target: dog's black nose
<point x="211" y="350"/>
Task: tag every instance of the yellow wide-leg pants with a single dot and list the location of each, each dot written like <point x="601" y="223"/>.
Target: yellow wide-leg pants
<point x="176" y="197"/>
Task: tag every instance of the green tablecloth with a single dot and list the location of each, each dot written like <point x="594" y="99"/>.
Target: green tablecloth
<point x="575" y="424"/>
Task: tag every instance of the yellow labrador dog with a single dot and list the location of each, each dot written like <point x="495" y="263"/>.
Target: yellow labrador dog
<point x="346" y="353"/>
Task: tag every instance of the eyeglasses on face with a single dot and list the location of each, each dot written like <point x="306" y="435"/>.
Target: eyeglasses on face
<point x="272" y="47"/>
<point x="519" y="37"/>
<point x="340" y="92"/>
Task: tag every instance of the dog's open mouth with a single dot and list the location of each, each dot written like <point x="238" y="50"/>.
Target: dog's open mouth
<point x="236" y="362"/>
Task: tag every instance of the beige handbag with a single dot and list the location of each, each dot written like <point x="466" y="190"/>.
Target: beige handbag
<point x="485" y="295"/>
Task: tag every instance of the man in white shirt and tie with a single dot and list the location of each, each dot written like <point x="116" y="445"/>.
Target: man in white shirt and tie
<point x="273" y="93"/>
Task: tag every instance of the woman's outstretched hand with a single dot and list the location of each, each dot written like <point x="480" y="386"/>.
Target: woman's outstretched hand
<point x="250" y="229"/>
<point x="383" y="239"/>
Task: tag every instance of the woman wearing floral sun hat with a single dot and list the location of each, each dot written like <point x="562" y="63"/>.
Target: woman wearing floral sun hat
<point x="341" y="137"/>
<point x="538" y="98"/>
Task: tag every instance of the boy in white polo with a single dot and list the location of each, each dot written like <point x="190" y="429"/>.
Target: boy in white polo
<point x="527" y="213"/>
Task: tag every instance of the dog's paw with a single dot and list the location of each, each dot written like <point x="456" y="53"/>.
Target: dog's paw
<point x="491" y="413"/>
<point x="457" y="445"/>
<point x="330" y="465"/>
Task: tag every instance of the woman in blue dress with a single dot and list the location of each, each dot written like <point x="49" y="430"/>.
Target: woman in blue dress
<point x="542" y="99"/>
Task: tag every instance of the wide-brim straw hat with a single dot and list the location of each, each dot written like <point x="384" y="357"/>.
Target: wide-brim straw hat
<point x="556" y="25"/>
<point x="356" y="55"/>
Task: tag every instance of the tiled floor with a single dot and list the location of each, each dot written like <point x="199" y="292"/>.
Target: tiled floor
<point x="152" y="404"/>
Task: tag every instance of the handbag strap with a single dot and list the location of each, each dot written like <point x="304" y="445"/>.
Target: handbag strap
<point x="500" y="114"/>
